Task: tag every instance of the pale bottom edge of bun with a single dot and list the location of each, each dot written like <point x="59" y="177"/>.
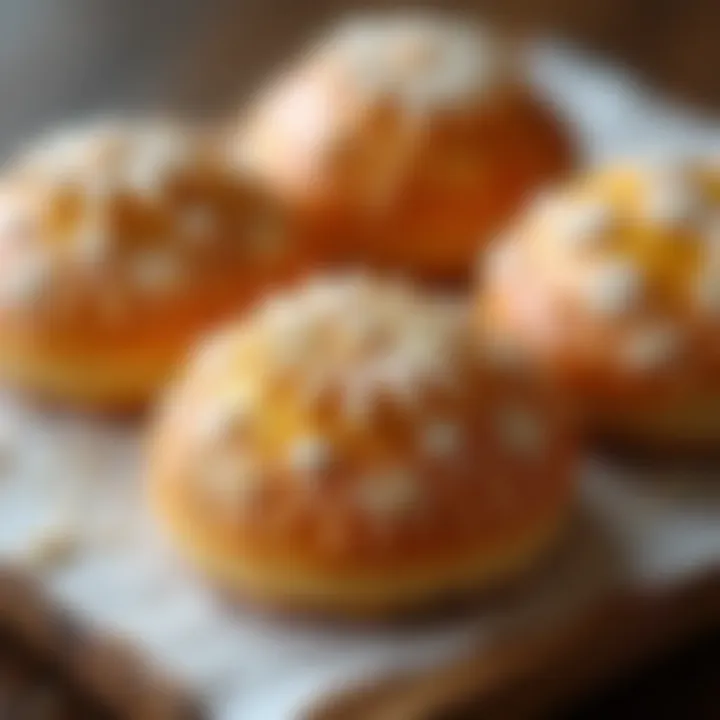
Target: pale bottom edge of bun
<point x="687" y="427"/>
<point x="114" y="383"/>
<point x="291" y="588"/>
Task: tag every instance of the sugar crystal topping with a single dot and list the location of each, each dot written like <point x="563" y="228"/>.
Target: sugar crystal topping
<point x="119" y="155"/>
<point x="388" y="495"/>
<point x="672" y="199"/>
<point x="94" y="237"/>
<point x="651" y="347"/>
<point x="232" y="413"/>
<point x="309" y="455"/>
<point x="232" y="481"/>
<point x="614" y="287"/>
<point x="30" y="277"/>
<point x="94" y="166"/>
<point x="580" y="225"/>
<point x="363" y="339"/>
<point x="156" y="271"/>
<point x="18" y="221"/>
<point x="424" y="59"/>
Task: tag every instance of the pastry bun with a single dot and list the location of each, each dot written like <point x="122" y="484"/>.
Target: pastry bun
<point x="120" y="241"/>
<point x="404" y="141"/>
<point x="612" y="284"/>
<point x="348" y="449"/>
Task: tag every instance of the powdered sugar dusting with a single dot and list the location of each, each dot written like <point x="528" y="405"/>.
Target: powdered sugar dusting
<point x="651" y="347"/>
<point x="427" y="60"/>
<point x="156" y="271"/>
<point x="365" y="339"/>
<point x="388" y="495"/>
<point x="309" y="455"/>
<point x="614" y="287"/>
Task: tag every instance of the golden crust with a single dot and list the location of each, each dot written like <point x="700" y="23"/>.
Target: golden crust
<point x="405" y="141"/>
<point x="119" y="244"/>
<point x="613" y="284"/>
<point x="289" y="586"/>
<point x="352" y="436"/>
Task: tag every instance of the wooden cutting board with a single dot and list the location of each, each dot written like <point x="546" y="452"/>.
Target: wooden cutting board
<point x="53" y="667"/>
<point x="530" y="676"/>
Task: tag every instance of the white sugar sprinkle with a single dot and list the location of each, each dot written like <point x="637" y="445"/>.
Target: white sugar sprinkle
<point x="94" y="239"/>
<point x="232" y="481"/>
<point x="232" y="414"/>
<point x="613" y="288"/>
<point x="441" y="439"/>
<point x="27" y="281"/>
<point x="521" y="430"/>
<point x="651" y="347"/>
<point x="671" y="201"/>
<point x="389" y="495"/>
<point x="212" y="355"/>
<point x="17" y="224"/>
<point x="576" y="225"/>
<point x="156" y="271"/>
<point x="403" y="386"/>
<point x="585" y="225"/>
<point x="97" y="188"/>
<point x="309" y="455"/>
<point x="397" y="347"/>
<point x="155" y="159"/>
<point x="501" y="261"/>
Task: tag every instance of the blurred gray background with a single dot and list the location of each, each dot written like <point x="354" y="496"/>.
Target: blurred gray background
<point x="64" y="58"/>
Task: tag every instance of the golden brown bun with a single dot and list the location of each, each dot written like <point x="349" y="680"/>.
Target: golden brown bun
<point x="613" y="284"/>
<point x="405" y="140"/>
<point x="347" y="449"/>
<point x="119" y="242"/>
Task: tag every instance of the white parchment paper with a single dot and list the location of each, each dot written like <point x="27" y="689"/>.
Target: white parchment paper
<point x="70" y="492"/>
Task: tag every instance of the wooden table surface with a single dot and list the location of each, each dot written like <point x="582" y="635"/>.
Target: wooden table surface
<point x="683" y="685"/>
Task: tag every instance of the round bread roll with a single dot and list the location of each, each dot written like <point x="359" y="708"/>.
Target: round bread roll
<point x="347" y="449"/>
<point x="403" y="140"/>
<point x="612" y="283"/>
<point x="119" y="242"/>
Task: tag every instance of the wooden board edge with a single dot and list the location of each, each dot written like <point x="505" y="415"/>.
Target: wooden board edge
<point x="525" y="676"/>
<point x="105" y="667"/>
